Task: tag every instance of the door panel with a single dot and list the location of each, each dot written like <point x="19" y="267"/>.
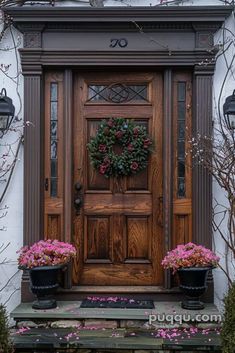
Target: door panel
<point x="117" y="233"/>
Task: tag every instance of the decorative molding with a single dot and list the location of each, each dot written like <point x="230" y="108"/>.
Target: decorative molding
<point x="32" y="40"/>
<point x="33" y="168"/>
<point x="202" y="184"/>
<point x="164" y="14"/>
<point x="110" y="27"/>
<point x="68" y="153"/>
<point x="33" y="59"/>
<point x="167" y="166"/>
<point x="204" y="40"/>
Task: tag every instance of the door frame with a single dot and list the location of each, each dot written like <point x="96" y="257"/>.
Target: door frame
<point x="37" y="23"/>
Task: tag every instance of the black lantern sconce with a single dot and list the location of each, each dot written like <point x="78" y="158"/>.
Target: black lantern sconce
<point x="229" y="111"/>
<point x="7" y="111"/>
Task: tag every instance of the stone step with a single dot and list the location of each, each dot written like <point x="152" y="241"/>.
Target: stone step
<point x="127" y="341"/>
<point x="164" y="315"/>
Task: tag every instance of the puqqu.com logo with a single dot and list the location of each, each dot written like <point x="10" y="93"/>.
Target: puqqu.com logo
<point x="181" y="318"/>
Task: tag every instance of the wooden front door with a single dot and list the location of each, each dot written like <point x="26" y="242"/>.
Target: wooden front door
<point x="118" y="227"/>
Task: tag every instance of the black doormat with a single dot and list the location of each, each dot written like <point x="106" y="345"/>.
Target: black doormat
<point x="116" y="302"/>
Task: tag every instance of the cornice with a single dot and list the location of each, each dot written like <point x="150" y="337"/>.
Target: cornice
<point x="33" y="60"/>
<point x="199" y="14"/>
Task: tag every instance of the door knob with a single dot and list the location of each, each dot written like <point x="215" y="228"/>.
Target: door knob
<point x="77" y="203"/>
<point x="78" y="186"/>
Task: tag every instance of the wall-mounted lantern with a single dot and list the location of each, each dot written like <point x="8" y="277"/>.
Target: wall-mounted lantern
<point x="7" y="111"/>
<point x="229" y="111"/>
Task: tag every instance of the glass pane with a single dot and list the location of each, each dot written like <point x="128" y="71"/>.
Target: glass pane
<point x="54" y="110"/>
<point x="181" y="112"/>
<point x="181" y="150"/>
<point x="117" y="93"/>
<point x="53" y="168"/>
<point x="54" y="92"/>
<point x="181" y="187"/>
<point x="53" y="138"/>
<point x="181" y="130"/>
<point x="181" y="91"/>
<point x="53" y="129"/>
<point x="53" y="149"/>
<point x="181" y="169"/>
<point x="53" y="187"/>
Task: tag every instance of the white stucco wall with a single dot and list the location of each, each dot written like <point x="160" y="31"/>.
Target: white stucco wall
<point x="12" y="223"/>
<point x="14" y="197"/>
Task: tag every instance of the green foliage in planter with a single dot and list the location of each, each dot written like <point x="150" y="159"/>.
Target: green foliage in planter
<point x="228" y="328"/>
<point x="5" y="344"/>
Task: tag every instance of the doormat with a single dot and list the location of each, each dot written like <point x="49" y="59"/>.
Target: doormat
<point x="116" y="302"/>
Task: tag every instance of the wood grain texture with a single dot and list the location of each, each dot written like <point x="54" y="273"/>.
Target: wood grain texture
<point x="182" y="206"/>
<point x="117" y="234"/>
<point x="54" y="206"/>
<point x="98" y="240"/>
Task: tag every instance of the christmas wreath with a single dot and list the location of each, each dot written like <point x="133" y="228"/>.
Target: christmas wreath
<point x="119" y="148"/>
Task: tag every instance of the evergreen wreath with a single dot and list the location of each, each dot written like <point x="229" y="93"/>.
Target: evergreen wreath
<point x="119" y="148"/>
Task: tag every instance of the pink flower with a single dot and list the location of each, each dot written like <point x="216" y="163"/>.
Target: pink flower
<point x="134" y="165"/>
<point x="189" y="255"/>
<point x="102" y="148"/>
<point x="130" y="147"/>
<point x="110" y="123"/>
<point x="147" y="142"/>
<point x="136" y="130"/>
<point x="119" y="134"/>
<point x="103" y="169"/>
<point x="46" y="253"/>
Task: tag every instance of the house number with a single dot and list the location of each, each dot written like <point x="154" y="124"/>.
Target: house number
<point x="122" y="43"/>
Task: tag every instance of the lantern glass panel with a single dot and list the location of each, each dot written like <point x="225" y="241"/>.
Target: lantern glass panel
<point x="4" y="122"/>
<point x="231" y="120"/>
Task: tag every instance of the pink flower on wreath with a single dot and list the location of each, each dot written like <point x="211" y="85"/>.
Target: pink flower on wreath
<point x="134" y="165"/>
<point x="106" y="161"/>
<point x="130" y="147"/>
<point x="147" y="143"/>
<point x="110" y="123"/>
<point x="103" y="168"/>
<point x="102" y="148"/>
<point x="119" y="134"/>
<point x="136" y="131"/>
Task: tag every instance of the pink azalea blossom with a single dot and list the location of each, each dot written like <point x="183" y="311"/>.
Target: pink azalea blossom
<point x="189" y="255"/>
<point x="45" y="253"/>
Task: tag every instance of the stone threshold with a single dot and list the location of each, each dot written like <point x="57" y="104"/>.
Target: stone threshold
<point x="119" y="289"/>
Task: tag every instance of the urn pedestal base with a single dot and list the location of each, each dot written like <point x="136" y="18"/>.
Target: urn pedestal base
<point x="193" y="285"/>
<point x="44" y="284"/>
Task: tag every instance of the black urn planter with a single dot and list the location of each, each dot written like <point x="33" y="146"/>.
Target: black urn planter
<point x="193" y="284"/>
<point x="44" y="283"/>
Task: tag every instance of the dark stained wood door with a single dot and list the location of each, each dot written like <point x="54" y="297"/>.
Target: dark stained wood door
<point x="118" y="230"/>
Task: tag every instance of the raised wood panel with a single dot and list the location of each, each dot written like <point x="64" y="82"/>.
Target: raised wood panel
<point x="128" y="274"/>
<point x="95" y="181"/>
<point x="53" y="226"/>
<point x="118" y="203"/>
<point x="138" y="238"/>
<point x="97" y="239"/>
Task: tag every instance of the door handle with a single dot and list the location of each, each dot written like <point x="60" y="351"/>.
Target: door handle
<point x="78" y="197"/>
